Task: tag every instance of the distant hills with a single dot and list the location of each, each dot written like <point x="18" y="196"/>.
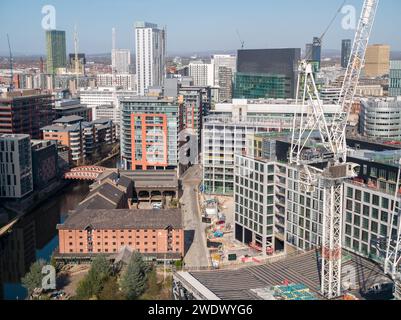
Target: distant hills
<point x="327" y="53"/>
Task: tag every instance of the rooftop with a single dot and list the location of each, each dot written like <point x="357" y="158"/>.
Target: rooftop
<point x="301" y="269"/>
<point x="68" y="119"/>
<point x="6" y="136"/>
<point x="123" y="219"/>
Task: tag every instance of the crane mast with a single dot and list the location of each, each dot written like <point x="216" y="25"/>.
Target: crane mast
<point x="393" y="252"/>
<point x="76" y="43"/>
<point x="351" y="79"/>
<point x="11" y="87"/>
<point x="332" y="150"/>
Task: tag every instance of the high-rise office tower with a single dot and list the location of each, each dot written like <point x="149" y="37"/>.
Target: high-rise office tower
<point x="317" y="50"/>
<point x="395" y="78"/>
<point x="56" y="50"/>
<point x="266" y="73"/>
<point x="150" y="55"/>
<point x="308" y="51"/>
<point x="346" y="49"/>
<point x="121" y="60"/>
<point x="377" y="60"/>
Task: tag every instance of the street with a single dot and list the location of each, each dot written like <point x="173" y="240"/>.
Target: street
<point x="195" y="238"/>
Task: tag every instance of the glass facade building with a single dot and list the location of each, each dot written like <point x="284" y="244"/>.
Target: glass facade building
<point x="258" y="86"/>
<point x="346" y="48"/>
<point x="317" y="50"/>
<point x="56" y="50"/>
<point x="395" y="78"/>
<point x="266" y="73"/>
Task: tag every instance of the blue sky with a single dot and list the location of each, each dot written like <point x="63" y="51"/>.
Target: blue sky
<point x="192" y="25"/>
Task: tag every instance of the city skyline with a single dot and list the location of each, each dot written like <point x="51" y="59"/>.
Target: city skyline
<point x="251" y="20"/>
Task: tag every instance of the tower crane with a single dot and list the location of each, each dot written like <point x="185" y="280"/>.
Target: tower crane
<point x="240" y="39"/>
<point x="333" y="153"/>
<point x="11" y="87"/>
<point x="392" y="261"/>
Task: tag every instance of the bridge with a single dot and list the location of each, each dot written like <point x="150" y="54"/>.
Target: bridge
<point x="86" y="173"/>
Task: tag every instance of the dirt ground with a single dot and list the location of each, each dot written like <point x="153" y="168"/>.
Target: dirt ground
<point x="69" y="278"/>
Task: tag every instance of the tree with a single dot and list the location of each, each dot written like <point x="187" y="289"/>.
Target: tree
<point x="133" y="282"/>
<point x="33" y="279"/>
<point x="93" y="283"/>
<point x="111" y="291"/>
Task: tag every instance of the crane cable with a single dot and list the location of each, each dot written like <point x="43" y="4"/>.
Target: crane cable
<point x="309" y="57"/>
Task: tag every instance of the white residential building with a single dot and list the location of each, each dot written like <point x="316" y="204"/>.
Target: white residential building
<point x="121" y="60"/>
<point x="106" y="112"/>
<point x="201" y="73"/>
<point x="104" y="96"/>
<point x="272" y="210"/>
<point x="150" y="46"/>
<point x="226" y="129"/>
<point x="125" y="81"/>
<point x="16" y="180"/>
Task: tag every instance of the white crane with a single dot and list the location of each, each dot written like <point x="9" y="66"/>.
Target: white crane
<point x="393" y="253"/>
<point x="333" y="151"/>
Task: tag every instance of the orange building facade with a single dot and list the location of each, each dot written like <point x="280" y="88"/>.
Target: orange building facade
<point x="150" y="232"/>
<point x="149" y="141"/>
<point x="113" y="241"/>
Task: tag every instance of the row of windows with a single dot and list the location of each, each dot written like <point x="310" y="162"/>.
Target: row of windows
<point x="122" y="243"/>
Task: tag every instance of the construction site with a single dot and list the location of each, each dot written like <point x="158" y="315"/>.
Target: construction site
<point x="322" y="259"/>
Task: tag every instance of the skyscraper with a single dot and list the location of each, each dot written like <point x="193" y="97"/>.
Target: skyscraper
<point x="317" y="50"/>
<point x="377" y="60"/>
<point x="308" y="51"/>
<point x="56" y="50"/>
<point x="346" y="48"/>
<point x="121" y="60"/>
<point x="150" y="55"/>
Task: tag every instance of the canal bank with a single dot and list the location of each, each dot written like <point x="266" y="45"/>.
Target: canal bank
<point x="35" y="236"/>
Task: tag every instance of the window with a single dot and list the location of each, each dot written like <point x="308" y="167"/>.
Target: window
<point x="384" y="216"/>
<point x="385" y="203"/>
<point x="376" y="200"/>
<point x="375" y="213"/>
<point x="375" y="227"/>
<point x="350" y="192"/>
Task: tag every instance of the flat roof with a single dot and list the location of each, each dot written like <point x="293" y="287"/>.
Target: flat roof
<point x="123" y="219"/>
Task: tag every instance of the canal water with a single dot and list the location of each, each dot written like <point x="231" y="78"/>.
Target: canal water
<point x="37" y="235"/>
